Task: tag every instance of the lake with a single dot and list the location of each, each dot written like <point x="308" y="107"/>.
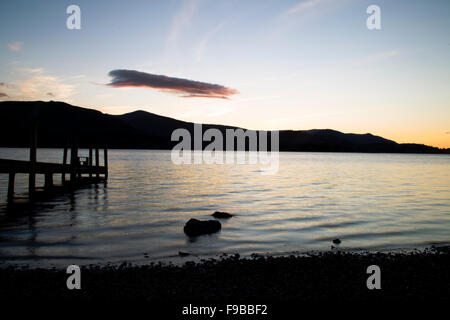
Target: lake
<point x="369" y="201"/>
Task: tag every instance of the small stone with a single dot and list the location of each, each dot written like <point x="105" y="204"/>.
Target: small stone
<point x="221" y="215"/>
<point x="336" y="241"/>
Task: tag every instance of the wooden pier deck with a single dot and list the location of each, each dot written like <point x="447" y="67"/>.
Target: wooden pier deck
<point x="20" y="166"/>
<point x="75" y="168"/>
<point x="80" y="170"/>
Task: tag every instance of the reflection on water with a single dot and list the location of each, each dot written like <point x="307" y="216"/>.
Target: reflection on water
<point x="369" y="201"/>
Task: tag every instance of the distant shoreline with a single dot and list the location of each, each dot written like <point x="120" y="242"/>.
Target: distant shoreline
<point x="283" y="151"/>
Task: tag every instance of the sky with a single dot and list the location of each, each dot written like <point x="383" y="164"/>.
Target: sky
<point x="257" y="64"/>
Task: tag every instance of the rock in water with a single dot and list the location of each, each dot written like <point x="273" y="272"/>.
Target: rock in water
<point x="221" y="215"/>
<point x="336" y="241"/>
<point x="196" y="227"/>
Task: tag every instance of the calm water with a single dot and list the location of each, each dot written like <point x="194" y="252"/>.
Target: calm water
<point x="369" y="201"/>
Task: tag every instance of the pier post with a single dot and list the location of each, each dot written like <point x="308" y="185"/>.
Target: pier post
<point x="63" y="175"/>
<point x="32" y="173"/>
<point x="73" y="163"/>
<point x="105" y="159"/>
<point x="97" y="163"/>
<point x="12" y="177"/>
<point x="90" y="162"/>
<point x="48" y="181"/>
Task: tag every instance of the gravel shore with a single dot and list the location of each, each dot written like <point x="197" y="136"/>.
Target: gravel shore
<point x="316" y="276"/>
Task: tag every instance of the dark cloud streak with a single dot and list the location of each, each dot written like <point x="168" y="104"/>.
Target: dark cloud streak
<point x="188" y="88"/>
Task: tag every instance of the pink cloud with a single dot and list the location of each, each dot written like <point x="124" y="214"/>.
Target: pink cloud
<point x="188" y="88"/>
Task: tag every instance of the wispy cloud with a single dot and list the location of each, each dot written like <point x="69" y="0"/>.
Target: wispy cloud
<point x="303" y="6"/>
<point x="15" y="46"/>
<point x="188" y="88"/>
<point x="201" y="47"/>
<point x="302" y="11"/>
<point x="181" y="20"/>
<point x="376" y="57"/>
<point x="36" y="85"/>
<point x="32" y="70"/>
<point x="3" y="95"/>
<point x="79" y="76"/>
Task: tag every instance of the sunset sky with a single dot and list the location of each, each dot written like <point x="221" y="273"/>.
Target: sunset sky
<point x="299" y="64"/>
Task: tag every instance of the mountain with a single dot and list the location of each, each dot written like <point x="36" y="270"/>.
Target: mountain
<point x="57" y="122"/>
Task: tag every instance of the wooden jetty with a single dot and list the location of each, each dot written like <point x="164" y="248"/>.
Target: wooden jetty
<point x="81" y="170"/>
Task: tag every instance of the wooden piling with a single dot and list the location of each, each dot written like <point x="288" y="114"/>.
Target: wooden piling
<point x="73" y="163"/>
<point x="97" y="162"/>
<point x="32" y="173"/>
<point x="63" y="175"/>
<point x="12" y="177"/>
<point x="48" y="181"/>
<point x="105" y="160"/>
<point x="90" y="162"/>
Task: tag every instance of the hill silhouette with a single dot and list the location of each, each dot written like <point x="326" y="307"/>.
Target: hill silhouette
<point x="59" y="121"/>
